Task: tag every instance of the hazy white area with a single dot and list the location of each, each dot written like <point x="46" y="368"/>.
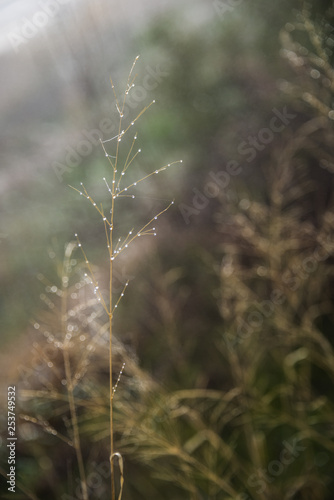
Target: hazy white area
<point x="57" y="56"/>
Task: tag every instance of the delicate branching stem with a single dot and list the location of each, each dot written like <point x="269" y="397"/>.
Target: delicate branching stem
<point x="113" y="185"/>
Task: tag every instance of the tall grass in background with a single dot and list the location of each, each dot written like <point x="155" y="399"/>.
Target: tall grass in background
<point x="117" y="188"/>
<point x="268" y="432"/>
<point x="78" y="312"/>
<point x="262" y="427"/>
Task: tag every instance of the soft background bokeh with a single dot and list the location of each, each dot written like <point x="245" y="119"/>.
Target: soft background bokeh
<point x="221" y="372"/>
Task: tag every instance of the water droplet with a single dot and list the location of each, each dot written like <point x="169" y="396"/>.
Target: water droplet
<point x="261" y="271"/>
<point x="315" y="74"/>
<point x="244" y="204"/>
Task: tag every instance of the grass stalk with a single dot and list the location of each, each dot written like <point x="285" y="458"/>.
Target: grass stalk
<point x="114" y="249"/>
<point x="69" y="385"/>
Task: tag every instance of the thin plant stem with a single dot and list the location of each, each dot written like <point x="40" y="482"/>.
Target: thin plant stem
<point x="110" y="244"/>
<point x="113" y="251"/>
<point x="74" y="422"/>
<point x="69" y="385"/>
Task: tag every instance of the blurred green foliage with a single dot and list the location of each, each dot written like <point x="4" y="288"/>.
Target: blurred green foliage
<point x="206" y="406"/>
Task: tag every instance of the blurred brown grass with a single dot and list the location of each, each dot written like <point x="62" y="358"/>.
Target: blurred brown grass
<point x="227" y="392"/>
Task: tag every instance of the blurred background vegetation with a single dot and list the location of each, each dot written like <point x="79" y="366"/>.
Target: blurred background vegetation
<point x="227" y="327"/>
